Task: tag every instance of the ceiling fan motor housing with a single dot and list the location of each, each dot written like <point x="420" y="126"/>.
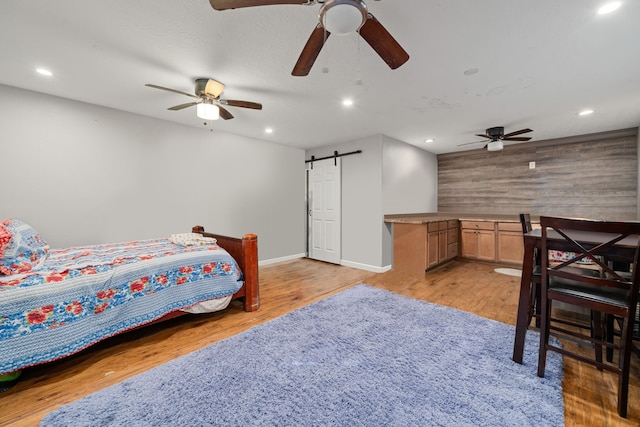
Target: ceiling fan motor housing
<point x="496" y="132"/>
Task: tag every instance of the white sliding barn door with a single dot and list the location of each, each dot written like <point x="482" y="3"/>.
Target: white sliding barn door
<point x="324" y="210"/>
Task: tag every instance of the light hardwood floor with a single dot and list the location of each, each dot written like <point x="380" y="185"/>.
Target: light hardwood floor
<point x="590" y="396"/>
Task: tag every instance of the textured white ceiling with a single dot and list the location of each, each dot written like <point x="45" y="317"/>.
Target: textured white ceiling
<point x="538" y="62"/>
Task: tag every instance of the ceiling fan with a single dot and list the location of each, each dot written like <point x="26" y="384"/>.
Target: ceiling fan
<point x="496" y="135"/>
<point x="340" y="17"/>
<point x="209" y="104"/>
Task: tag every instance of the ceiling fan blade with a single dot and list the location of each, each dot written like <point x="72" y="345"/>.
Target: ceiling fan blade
<point x="469" y="143"/>
<point x="243" y="104"/>
<point x="483" y="136"/>
<point x="171" y="90"/>
<point x="234" y="4"/>
<point x="182" y="106"/>
<point x="383" y="43"/>
<point x="310" y="51"/>
<point x="517" y="138"/>
<point x="518" y="132"/>
<point x="225" y="114"/>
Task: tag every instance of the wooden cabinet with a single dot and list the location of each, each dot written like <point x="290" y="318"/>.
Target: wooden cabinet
<point x="478" y="240"/>
<point x="453" y="230"/>
<point x="424" y="245"/>
<point x="510" y="242"/>
<point x="433" y="244"/>
<point x="409" y="247"/>
<point x="418" y="247"/>
<point x="442" y="242"/>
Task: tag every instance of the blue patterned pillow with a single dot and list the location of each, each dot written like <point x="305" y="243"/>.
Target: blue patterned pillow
<point x="24" y="251"/>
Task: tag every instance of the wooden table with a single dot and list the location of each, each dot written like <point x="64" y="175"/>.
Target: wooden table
<point x="624" y="250"/>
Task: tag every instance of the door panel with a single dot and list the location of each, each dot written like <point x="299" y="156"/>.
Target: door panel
<point x="324" y="198"/>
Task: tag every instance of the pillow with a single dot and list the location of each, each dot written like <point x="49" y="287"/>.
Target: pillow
<point x="562" y="256"/>
<point x="21" y="247"/>
<point x="191" y="239"/>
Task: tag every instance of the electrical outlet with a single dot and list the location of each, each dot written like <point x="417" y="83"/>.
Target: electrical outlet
<point x="532" y="165"/>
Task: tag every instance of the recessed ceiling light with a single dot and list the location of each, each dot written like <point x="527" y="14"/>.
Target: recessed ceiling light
<point x="347" y="102"/>
<point x="44" y="72"/>
<point x="585" y="112"/>
<point x="268" y="130"/>
<point x="609" y="7"/>
<point x="429" y="140"/>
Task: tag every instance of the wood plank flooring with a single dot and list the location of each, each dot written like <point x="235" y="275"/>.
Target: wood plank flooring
<point x="590" y="396"/>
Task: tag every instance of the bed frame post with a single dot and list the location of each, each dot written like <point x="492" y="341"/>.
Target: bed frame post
<point x="245" y="252"/>
<point x="250" y="253"/>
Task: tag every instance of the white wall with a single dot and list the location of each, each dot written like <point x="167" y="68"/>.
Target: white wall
<point x="83" y="174"/>
<point x="361" y="201"/>
<point x="389" y="176"/>
<point x="409" y="185"/>
<point x="409" y="178"/>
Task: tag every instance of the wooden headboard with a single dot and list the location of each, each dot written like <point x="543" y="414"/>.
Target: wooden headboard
<point x="245" y="252"/>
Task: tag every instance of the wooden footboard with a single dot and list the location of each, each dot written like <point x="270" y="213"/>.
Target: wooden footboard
<point x="245" y="252"/>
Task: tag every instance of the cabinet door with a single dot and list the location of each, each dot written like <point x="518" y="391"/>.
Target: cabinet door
<point x="510" y="247"/>
<point x="486" y="245"/>
<point x="432" y="249"/>
<point x="469" y="243"/>
<point x="452" y="250"/>
<point x="442" y="244"/>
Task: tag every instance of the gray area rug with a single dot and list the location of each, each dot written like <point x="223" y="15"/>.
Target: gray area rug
<point x="363" y="357"/>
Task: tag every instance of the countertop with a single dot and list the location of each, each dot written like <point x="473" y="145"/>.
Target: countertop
<point x="424" y="218"/>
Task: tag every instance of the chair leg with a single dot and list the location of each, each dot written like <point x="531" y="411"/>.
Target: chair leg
<point x="624" y="361"/>
<point x="532" y="305"/>
<point x="596" y="333"/>
<point x="537" y="290"/>
<point x="609" y="333"/>
<point x="545" y="317"/>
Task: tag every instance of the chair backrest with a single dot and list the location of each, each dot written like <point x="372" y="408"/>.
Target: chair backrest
<point x="525" y="221"/>
<point x="595" y="240"/>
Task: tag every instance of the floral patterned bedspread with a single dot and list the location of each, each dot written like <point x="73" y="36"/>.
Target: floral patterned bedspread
<point x="84" y="294"/>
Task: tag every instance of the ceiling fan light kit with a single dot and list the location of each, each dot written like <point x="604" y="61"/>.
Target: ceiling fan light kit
<point x="342" y="17"/>
<point x="207" y="111"/>
<point x="495" y="146"/>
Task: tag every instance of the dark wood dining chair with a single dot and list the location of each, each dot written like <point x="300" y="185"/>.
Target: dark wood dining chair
<point x="536" y="276"/>
<point x="610" y="294"/>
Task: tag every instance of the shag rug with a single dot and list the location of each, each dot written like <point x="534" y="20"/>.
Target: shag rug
<point x="363" y="357"/>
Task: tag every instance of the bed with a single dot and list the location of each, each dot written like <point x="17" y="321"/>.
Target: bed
<point x="57" y="302"/>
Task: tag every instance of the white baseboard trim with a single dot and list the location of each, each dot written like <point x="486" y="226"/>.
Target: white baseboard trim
<point x="352" y="264"/>
<point x="366" y="267"/>
<point x="281" y="259"/>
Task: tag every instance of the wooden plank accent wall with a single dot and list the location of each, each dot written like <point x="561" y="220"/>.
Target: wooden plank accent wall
<point x="592" y="176"/>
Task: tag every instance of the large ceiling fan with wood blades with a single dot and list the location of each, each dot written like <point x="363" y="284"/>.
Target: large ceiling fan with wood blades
<point x="209" y="104"/>
<point x="496" y="135"/>
<point x="338" y="17"/>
